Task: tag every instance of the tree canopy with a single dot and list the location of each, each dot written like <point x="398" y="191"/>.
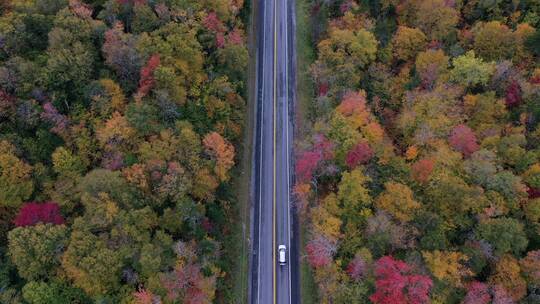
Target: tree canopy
<point x="428" y="186"/>
<point x="120" y="125"/>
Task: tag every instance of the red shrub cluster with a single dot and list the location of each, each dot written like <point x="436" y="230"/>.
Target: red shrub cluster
<point x="421" y="170"/>
<point x="396" y="285"/>
<point x="357" y="268"/>
<point x="320" y="251"/>
<point x="360" y="154"/>
<point x="146" y="82"/>
<point x="7" y="105"/>
<point x="213" y="24"/>
<point x="324" y="146"/>
<point x="306" y="164"/>
<point x="513" y="94"/>
<point x="482" y="293"/>
<point x="33" y="213"/>
<point x="463" y="140"/>
<point x="59" y="121"/>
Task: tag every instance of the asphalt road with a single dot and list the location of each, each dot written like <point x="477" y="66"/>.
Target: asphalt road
<point x="273" y="219"/>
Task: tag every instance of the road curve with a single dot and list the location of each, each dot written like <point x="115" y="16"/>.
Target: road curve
<point x="271" y="183"/>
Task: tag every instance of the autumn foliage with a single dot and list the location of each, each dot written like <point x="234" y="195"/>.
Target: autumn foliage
<point x="119" y="121"/>
<point x="477" y="293"/>
<point x="430" y="112"/>
<point x="513" y="94"/>
<point x="188" y="284"/>
<point x="320" y="251"/>
<point x="58" y="121"/>
<point x="307" y="164"/>
<point x="352" y="103"/>
<point x="33" y="213"/>
<point x="222" y="151"/>
<point x="396" y="283"/>
<point x="359" y="154"/>
<point x="147" y="81"/>
<point x="357" y="268"/>
<point x="143" y="296"/>
<point x="421" y="170"/>
<point x="463" y="140"/>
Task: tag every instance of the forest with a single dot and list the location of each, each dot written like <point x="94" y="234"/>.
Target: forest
<point x="418" y="168"/>
<point x="120" y="126"/>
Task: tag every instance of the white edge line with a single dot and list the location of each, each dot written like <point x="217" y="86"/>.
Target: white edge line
<point x="287" y="142"/>
<point x="260" y="166"/>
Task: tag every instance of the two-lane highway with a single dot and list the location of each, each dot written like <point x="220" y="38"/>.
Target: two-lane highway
<point x="272" y="219"/>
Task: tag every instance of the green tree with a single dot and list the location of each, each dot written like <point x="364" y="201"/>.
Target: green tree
<point x="233" y="60"/>
<point x="532" y="210"/>
<point x="454" y="200"/>
<point x="435" y="18"/>
<point x="506" y="235"/>
<point x="66" y="164"/>
<point x="431" y="64"/>
<point x="181" y="59"/>
<point x="71" y="53"/>
<point x="407" y="42"/>
<point x="470" y="71"/>
<point x="111" y="182"/>
<point x="15" y="177"/>
<point x="493" y="41"/>
<point x="354" y="196"/>
<point x="485" y="111"/>
<point x="36" y="250"/>
<point x="343" y="57"/>
<point x="54" y="292"/>
<point x="144" y="19"/>
<point x="91" y="265"/>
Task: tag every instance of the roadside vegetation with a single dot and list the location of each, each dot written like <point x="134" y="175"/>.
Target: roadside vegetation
<point x="305" y="35"/>
<point x="120" y="125"/>
<point x="418" y="170"/>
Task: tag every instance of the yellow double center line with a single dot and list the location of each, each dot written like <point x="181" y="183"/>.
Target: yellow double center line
<point x="274" y="247"/>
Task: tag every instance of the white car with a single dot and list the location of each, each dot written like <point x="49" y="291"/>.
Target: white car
<point x="281" y="254"/>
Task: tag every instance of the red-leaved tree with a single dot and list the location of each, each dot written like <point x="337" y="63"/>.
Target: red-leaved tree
<point x="357" y="268"/>
<point x="188" y="284"/>
<point x="82" y="10"/>
<point x="463" y="140"/>
<point x="120" y="53"/>
<point x="213" y="24"/>
<point x="482" y="293"/>
<point x="421" y="170"/>
<point x="359" y="154"/>
<point x="146" y="81"/>
<point x="320" y="251"/>
<point x="322" y="89"/>
<point x="143" y="296"/>
<point x="535" y="79"/>
<point x="513" y="94"/>
<point x="33" y="213"/>
<point x="324" y="146"/>
<point x="396" y="285"/>
<point x="477" y="293"/>
<point x="352" y="102"/>
<point x="533" y="192"/>
<point x="501" y="295"/>
<point x="7" y="105"/>
<point x="59" y="121"/>
<point x="306" y="164"/>
<point x="235" y="37"/>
